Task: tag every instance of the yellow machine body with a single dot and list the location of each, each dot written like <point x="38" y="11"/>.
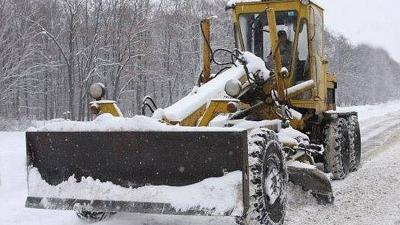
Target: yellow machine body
<point x="297" y="83"/>
<point x="312" y="101"/>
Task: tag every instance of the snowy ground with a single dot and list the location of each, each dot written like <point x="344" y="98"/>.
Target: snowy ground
<point x="369" y="196"/>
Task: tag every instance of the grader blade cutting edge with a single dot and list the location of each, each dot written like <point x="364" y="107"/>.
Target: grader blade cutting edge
<point x="127" y="159"/>
<point x="311" y="179"/>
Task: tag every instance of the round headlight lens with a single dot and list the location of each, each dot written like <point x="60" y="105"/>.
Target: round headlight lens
<point x="232" y="107"/>
<point x="233" y="88"/>
<point x="97" y="91"/>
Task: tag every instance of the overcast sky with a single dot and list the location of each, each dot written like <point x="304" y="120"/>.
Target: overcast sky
<point x="366" y="21"/>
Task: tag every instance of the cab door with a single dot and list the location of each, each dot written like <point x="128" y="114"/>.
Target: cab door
<point x="317" y="60"/>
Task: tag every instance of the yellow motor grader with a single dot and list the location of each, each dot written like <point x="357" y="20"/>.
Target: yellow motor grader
<point x="274" y="107"/>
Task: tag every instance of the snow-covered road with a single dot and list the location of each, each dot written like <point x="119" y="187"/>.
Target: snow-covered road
<point x="369" y="196"/>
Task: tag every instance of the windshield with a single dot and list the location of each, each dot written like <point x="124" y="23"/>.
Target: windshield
<point x="256" y="37"/>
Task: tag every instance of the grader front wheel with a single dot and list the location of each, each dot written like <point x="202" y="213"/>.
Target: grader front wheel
<point x="268" y="179"/>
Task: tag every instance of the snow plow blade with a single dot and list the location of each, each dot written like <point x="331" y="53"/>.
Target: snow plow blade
<point x="311" y="179"/>
<point x="128" y="160"/>
<point x="117" y="206"/>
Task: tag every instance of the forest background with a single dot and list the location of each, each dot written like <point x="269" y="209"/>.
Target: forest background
<point x="51" y="51"/>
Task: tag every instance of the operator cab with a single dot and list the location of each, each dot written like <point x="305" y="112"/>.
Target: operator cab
<point x="255" y="31"/>
<point x="253" y="34"/>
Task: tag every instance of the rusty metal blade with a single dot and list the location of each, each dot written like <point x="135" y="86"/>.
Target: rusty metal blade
<point x="311" y="179"/>
<point x="117" y="206"/>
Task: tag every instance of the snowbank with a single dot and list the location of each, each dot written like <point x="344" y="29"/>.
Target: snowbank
<point x="370" y="111"/>
<point x="221" y="194"/>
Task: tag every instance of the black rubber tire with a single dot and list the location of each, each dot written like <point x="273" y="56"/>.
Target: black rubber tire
<point x="336" y="145"/>
<point x="354" y="143"/>
<point x="266" y="165"/>
<point x="92" y="217"/>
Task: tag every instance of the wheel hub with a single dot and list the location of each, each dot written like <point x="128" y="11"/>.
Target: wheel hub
<point x="272" y="183"/>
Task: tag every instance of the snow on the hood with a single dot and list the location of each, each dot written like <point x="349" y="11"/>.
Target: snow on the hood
<point x="107" y="122"/>
<point x="222" y="194"/>
<point x="213" y="89"/>
<point x="254" y="64"/>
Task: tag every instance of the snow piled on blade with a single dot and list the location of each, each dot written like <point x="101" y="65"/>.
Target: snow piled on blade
<point x="213" y="89"/>
<point x="107" y="122"/>
<point x="222" y="194"/>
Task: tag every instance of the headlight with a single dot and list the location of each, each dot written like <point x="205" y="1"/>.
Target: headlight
<point x="305" y="2"/>
<point x="232" y="107"/>
<point x="97" y="91"/>
<point x="233" y="88"/>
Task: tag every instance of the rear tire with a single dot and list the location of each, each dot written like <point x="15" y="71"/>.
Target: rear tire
<point x="354" y="143"/>
<point x="336" y="145"/>
<point x="268" y="179"/>
<point x="92" y="217"/>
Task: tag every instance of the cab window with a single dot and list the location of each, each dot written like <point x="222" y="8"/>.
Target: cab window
<point x="302" y="72"/>
<point x="256" y="37"/>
